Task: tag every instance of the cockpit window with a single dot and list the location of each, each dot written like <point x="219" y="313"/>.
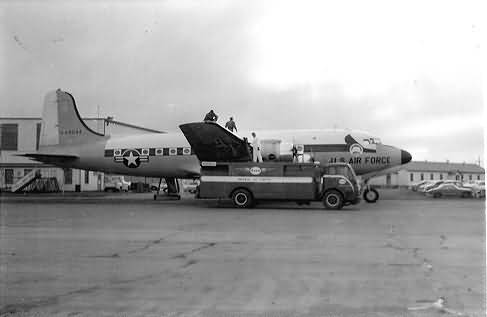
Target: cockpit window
<point x="368" y="141"/>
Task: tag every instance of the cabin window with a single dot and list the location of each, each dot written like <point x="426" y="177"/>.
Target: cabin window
<point x="411" y="177"/>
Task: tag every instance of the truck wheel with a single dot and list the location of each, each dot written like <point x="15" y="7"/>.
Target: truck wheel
<point x="371" y="195"/>
<point x="242" y="198"/>
<point x="333" y="200"/>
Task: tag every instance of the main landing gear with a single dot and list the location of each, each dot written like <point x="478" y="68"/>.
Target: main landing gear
<point x="370" y="194"/>
<point x="172" y="190"/>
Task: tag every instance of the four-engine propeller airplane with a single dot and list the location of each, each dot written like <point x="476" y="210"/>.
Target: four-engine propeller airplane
<point x="66" y="141"/>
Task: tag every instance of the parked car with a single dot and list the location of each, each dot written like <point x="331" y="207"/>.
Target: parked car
<point x="478" y="188"/>
<point x="450" y="189"/>
<point x="116" y="183"/>
<point x="190" y="186"/>
<point x="155" y="186"/>
<point x="416" y="186"/>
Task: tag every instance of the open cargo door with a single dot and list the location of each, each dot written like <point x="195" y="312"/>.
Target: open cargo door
<point x="212" y="142"/>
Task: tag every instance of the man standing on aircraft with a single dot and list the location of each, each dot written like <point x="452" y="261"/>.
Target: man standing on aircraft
<point x="230" y="125"/>
<point x="257" y="147"/>
<point x="211" y="116"/>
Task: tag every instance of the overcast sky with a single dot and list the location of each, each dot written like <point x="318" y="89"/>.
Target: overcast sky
<point x="407" y="72"/>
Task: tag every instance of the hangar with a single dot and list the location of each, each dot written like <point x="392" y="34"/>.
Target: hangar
<point x="22" y="134"/>
<point x="417" y="171"/>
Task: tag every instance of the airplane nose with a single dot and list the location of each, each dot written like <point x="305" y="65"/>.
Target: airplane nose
<point x="405" y="157"/>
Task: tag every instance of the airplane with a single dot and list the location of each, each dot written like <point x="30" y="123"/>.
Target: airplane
<point x="66" y="141"/>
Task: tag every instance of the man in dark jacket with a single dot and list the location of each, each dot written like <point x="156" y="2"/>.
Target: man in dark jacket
<point x="230" y="125"/>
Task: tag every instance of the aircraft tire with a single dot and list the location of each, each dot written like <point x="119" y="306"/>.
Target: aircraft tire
<point x="333" y="200"/>
<point x="371" y="195"/>
<point x="242" y="198"/>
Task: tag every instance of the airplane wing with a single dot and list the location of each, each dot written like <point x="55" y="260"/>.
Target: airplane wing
<point x="211" y="142"/>
<point x="50" y="158"/>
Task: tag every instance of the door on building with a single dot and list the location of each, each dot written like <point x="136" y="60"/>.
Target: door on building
<point x="9" y="176"/>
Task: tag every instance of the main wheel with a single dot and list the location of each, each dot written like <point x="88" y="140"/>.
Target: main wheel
<point x="371" y="195"/>
<point x="242" y="198"/>
<point x="333" y="200"/>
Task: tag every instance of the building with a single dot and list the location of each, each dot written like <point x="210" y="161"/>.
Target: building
<point x="22" y="134"/>
<point x="415" y="172"/>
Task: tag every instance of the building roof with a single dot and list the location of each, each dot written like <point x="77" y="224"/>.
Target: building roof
<point x="424" y="166"/>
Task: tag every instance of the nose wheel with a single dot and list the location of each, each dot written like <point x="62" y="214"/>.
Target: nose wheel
<point x="371" y="195"/>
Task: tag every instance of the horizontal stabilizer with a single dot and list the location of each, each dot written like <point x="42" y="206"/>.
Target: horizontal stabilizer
<point x="211" y="142"/>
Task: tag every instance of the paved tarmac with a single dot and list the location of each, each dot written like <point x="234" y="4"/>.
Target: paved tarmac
<point x="128" y="255"/>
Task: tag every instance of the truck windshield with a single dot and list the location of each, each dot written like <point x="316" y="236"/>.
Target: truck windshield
<point x="341" y="170"/>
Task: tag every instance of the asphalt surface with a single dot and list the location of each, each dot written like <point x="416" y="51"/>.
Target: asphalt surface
<point x="127" y="255"/>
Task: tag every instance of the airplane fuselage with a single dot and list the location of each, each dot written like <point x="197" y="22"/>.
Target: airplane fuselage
<point x="170" y="155"/>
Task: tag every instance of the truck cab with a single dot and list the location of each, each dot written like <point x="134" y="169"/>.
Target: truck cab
<point x="339" y="179"/>
<point x="246" y="183"/>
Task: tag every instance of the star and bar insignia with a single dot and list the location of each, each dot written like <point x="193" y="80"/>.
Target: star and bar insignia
<point x="132" y="158"/>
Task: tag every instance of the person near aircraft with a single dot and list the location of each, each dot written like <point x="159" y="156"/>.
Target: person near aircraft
<point x="256" y="148"/>
<point x="230" y="125"/>
<point x="211" y="116"/>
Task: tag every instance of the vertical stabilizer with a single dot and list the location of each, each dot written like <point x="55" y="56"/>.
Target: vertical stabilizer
<point x="62" y="124"/>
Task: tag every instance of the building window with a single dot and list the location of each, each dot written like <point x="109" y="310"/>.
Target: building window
<point x="27" y="171"/>
<point x="457" y="177"/>
<point x="411" y="177"/>
<point x="470" y="177"/>
<point x="422" y="176"/>
<point x="478" y="177"/>
<point x="68" y="176"/>
<point x="87" y="177"/>
<point x="431" y="176"/>
<point x="441" y="176"/>
<point x="38" y="135"/>
<point x="9" y="176"/>
<point x="9" y="136"/>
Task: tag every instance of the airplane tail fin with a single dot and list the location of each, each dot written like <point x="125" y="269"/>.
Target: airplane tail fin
<point x="62" y="124"/>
